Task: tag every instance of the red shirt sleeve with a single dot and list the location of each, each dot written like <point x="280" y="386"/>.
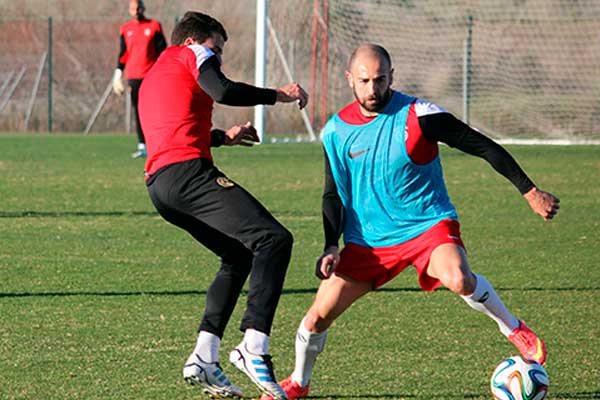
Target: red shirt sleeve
<point x="420" y="150"/>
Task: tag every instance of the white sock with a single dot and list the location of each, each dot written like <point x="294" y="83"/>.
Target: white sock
<point x="308" y="346"/>
<point x="485" y="299"/>
<point x="256" y="342"/>
<point x="207" y="347"/>
<point x="141" y="146"/>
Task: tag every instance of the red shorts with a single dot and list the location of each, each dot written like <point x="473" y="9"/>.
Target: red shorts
<point x="381" y="264"/>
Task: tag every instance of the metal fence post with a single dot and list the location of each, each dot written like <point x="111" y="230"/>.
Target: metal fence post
<point x="467" y="70"/>
<point x="49" y="74"/>
<point x="260" y="72"/>
<point x="36" y="85"/>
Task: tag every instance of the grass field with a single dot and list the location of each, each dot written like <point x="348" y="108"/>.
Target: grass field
<point x="100" y="298"/>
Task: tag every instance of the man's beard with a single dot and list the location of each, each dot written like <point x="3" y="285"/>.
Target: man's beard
<point x="375" y="106"/>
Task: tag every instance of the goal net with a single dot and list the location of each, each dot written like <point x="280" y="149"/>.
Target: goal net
<point x="513" y="69"/>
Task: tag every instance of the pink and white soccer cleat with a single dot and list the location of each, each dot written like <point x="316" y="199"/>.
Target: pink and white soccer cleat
<point x="291" y="388"/>
<point x="526" y="341"/>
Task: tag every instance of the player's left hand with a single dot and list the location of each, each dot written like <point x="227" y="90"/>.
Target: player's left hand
<point x="543" y="203"/>
<point x="117" y="83"/>
<point x="292" y="92"/>
<point x="327" y="263"/>
<point x="242" y="135"/>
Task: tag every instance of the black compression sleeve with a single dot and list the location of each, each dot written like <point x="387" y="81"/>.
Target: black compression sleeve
<point x="446" y="128"/>
<point x="160" y="43"/>
<point x="122" y="50"/>
<point x="224" y="91"/>
<point x="333" y="209"/>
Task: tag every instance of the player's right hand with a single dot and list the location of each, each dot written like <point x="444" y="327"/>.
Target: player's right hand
<point x="241" y="135"/>
<point x="117" y="83"/>
<point x="545" y="204"/>
<point x="292" y="92"/>
<point x="327" y="263"/>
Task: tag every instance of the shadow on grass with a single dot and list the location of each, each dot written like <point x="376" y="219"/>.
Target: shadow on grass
<point x="61" y="214"/>
<point x="576" y="395"/>
<point x="563" y="395"/>
<point x="245" y="292"/>
<point x="364" y="396"/>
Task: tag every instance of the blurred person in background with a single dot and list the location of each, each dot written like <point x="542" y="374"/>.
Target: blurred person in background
<point x="141" y="42"/>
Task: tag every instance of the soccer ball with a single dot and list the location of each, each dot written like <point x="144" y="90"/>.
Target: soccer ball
<point x="515" y="379"/>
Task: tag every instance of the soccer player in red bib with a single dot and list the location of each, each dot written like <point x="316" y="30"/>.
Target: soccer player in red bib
<point x="176" y="104"/>
<point x="384" y="190"/>
<point x="141" y="42"/>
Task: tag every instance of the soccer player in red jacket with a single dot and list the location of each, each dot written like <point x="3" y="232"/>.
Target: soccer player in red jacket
<point x="141" y="42"/>
<point x="176" y="103"/>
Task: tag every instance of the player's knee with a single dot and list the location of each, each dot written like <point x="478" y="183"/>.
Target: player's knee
<point x="237" y="255"/>
<point x="459" y="282"/>
<point x="282" y="240"/>
<point x="237" y="264"/>
<point x="310" y="321"/>
<point x="458" y="279"/>
<point x="275" y="241"/>
<point x="317" y="321"/>
<point x="287" y="239"/>
<point x="453" y="282"/>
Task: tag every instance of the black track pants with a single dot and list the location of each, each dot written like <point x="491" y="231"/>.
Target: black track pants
<point x="197" y="197"/>
<point x="135" y="95"/>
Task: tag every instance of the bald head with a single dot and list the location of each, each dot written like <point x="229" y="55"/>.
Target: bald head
<point x="369" y="75"/>
<point x="370" y="50"/>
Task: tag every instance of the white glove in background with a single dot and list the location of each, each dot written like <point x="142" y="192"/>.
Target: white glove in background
<point x="117" y="83"/>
